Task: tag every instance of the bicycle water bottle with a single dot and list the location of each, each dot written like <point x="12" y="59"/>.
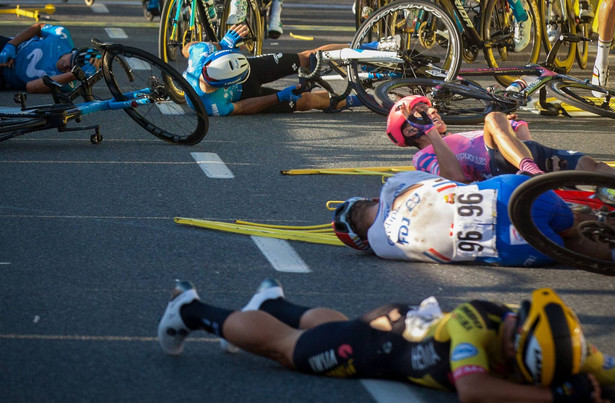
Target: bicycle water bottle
<point x="521" y="83"/>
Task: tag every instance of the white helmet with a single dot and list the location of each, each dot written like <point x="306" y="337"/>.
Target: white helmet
<point x="225" y="67"/>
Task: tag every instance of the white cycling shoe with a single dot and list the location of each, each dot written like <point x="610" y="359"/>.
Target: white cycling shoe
<point x="600" y="78"/>
<point x="237" y="12"/>
<point x="275" y="28"/>
<point x="172" y="331"/>
<point x="269" y="288"/>
<point x="523" y="34"/>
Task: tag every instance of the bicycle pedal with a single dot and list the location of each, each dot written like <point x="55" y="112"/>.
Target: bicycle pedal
<point x="20" y="99"/>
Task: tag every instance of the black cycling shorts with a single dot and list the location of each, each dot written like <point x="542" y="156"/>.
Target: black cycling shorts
<point x="355" y="349"/>
<point x="540" y="153"/>
<point x="268" y="68"/>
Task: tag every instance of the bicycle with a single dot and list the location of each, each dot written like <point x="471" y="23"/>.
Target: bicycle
<point x="135" y="79"/>
<point x="591" y="196"/>
<point x="562" y="17"/>
<point x="465" y="102"/>
<point x="494" y="33"/>
<point x="182" y="22"/>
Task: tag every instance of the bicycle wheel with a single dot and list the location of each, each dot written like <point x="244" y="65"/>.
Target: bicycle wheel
<point x="255" y="22"/>
<point x="557" y="22"/>
<point x="525" y="209"/>
<point x="581" y="95"/>
<point x="15" y="124"/>
<point x="458" y="103"/>
<point x="174" y="33"/>
<point x="582" y="46"/>
<point x="421" y="33"/>
<point x="131" y="72"/>
<point x="501" y="48"/>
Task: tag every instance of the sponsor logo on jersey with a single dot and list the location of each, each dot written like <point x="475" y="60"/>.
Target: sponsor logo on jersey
<point x="463" y="351"/>
<point x="423" y="356"/>
<point x="468" y="370"/>
<point x="609" y="362"/>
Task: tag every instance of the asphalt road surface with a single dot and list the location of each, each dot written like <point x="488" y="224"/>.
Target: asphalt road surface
<point x="89" y="250"/>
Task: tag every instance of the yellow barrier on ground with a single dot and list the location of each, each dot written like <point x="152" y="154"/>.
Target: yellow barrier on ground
<point x="349" y="171"/>
<point x="321" y="234"/>
<point x="30" y="12"/>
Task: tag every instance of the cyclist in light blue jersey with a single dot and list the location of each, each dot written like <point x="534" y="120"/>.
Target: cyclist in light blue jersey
<point x="230" y="83"/>
<point x="40" y="50"/>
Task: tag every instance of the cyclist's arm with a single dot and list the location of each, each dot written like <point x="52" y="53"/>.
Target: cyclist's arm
<point x="28" y="33"/>
<point x="186" y="48"/>
<point x="600" y="365"/>
<point x="254" y="105"/>
<point x="450" y="168"/>
<point x="38" y="87"/>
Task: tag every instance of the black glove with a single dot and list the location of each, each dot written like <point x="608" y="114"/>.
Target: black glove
<point x="423" y="125"/>
<point x="576" y="389"/>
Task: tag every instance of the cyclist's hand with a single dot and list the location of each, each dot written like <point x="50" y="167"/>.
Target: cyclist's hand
<point x="89" y="69"/>
<point x="577" y="388"/>
<point x="231" y="39"/>
<point x="288" y="94"/>
<point x="8" y="54"/>
<point x="422" y="124"/>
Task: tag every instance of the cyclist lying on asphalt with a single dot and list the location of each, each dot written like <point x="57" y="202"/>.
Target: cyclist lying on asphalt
<point x="43" y="50"/>
<point x="483" y="350"/>
<point x="503" y="146"/>
<point x="417" y="219"/>
<point x="230" y="83"/>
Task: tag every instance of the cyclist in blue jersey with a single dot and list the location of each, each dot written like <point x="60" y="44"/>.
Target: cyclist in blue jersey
<point x="423" y="217"/>
<point x="230" y="83"/>
<point x="41" y="50"/>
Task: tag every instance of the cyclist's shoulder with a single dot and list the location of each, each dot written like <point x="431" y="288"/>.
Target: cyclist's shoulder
<point x="478" y="315"/>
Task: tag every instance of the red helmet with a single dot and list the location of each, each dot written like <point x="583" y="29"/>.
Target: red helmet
<point x="396" y="118"/>
<point x="343" y="228"/>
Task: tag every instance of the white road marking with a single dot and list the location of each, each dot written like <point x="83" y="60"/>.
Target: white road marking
<point x="170" y="108"/>
<point x="212" y="165"/>
<point x="116" y="33"/>
<point x="281" y="255"/>
<point x="99" y="8"/>
<point x="390" y="391"/>
<point x="137" y="64"/>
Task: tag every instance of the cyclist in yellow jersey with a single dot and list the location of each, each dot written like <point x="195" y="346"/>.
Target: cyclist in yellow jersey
<point x="485" y="351"/>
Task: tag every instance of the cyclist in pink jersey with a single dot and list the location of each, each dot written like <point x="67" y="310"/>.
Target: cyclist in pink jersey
<point x="503" y="146"/>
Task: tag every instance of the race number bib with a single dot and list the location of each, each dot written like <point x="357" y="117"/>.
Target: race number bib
<point x="474" y="223"/>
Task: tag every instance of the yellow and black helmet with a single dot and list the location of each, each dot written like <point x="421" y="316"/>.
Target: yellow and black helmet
<point x="549" y="342"/>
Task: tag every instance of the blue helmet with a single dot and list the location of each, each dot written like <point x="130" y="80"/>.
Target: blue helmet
<point x="225" y="67"/>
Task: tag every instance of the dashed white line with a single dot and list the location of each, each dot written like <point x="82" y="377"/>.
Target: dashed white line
<point x="281" y="255"/>
<point x="116" y="33"/>
<point x="212" y="165"/>
<point x="99" y="8"/>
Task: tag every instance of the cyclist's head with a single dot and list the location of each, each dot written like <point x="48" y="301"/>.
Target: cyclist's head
<point x="348" y="223"/>
<point x="225" y="67"/>
<point x="397" y="120"/>
<point x="79" y="57"/>
<point x="549" y="342"/>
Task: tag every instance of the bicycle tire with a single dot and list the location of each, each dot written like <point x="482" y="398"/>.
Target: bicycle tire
<point x="458" y="103"/>
<point x="522" y="202"/>
<point x="432" y="48"/>
<point x="255" y="22"/>
<point x="15" y="124"/>
<point x="583" y="46"/>
<point x="128" y="70"/>
<point x="172" y="37"/>
<point x="497" y="27"/>
<point x="556" y="20"/>
<point x="580" y="95"/>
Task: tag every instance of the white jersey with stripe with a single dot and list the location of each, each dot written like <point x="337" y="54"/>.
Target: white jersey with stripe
<point x="418" y="226"/>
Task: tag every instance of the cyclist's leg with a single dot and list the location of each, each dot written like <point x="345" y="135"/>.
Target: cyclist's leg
<point x="275" y="19"/>
<point x="499" y="135"/>
<point x="606" y="29"/>
<point x="587" y="163"/>
<point x="271" y="67"/>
